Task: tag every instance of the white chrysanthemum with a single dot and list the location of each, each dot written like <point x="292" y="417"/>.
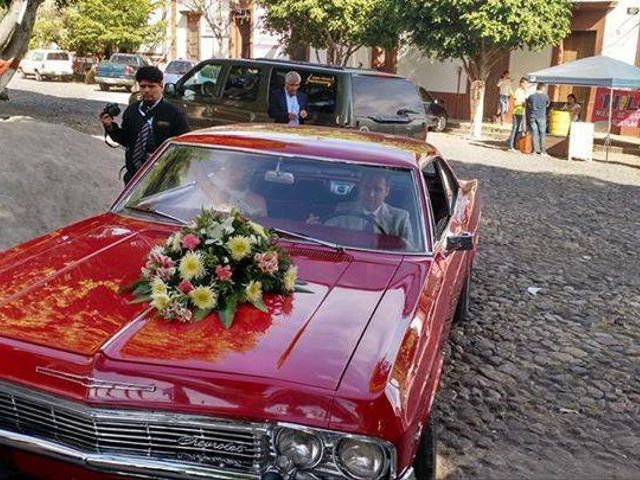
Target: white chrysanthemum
<point x="160" y="301"/>
<point x="239" y="247"/>
<point x="259" y="229"/>
<point x="176" y="242"/>
<point x="203" y="298"/>
<point x="158" y="287"/>
<point x="191" y="266"/>
<point x="253" y="291"/>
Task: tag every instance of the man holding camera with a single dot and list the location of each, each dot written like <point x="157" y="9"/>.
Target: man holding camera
<point x="145" y="124"/>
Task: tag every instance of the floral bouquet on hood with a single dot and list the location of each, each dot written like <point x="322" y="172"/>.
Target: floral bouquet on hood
<point x="213" y="264"/>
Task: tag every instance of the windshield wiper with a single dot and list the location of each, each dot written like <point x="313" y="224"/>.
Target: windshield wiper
<point x="337" y="247"/>
<point x="156" y="212"/>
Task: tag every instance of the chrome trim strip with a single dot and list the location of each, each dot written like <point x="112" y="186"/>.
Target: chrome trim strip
<point x="90" y="382"/>
<point x="116" y="464"/>
<point x="409" y="475"/>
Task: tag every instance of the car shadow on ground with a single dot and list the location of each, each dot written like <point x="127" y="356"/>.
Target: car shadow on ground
<point x="543" y="383"/>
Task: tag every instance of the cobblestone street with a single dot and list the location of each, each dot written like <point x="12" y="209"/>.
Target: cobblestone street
<point x="543" y="379"/>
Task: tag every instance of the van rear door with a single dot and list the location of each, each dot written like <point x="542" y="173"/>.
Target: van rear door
<point x="388" y="104"/>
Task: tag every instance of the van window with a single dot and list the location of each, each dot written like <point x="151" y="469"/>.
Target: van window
<point x="58" y="56"/>
<point x="378" y="96"/>
<point x="320" y="87"/>
<point x="38" y="56"/>
<point x="242" y="84"/>
<point x="202" y="81"/>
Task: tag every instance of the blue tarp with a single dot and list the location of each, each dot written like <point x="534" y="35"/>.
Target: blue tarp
<point x="598" y="71"/>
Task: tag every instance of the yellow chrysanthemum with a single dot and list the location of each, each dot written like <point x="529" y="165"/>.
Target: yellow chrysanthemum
<point x="191" y="266"/>
<point x="203" y="297"/>
<point x="239" y="246"/>
<point x="160" y="301"/>
<point x="290" y="278"/>
<point x="253" y="291"/>
<point x="158" y="287"/>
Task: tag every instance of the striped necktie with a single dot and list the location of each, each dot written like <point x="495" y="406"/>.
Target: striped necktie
<point x="140" y="153"/>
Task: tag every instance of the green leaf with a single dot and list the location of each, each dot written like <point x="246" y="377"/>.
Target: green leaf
<point x="259" y="304"/>
<point x="228" y="313"/>
<point x="142" y="299"/>
<point x="142" y="289"/>
<point x="200" y="313"/>
<point x="131" y="287"/>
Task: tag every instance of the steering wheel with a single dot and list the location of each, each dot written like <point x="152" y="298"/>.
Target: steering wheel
<point x="361" y="216"/>
<point x="208" y="89"/>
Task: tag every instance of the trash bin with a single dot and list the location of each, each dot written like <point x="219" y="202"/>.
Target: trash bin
<point x="559" y="122"/>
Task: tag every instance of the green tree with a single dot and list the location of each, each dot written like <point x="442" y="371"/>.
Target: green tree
<point x="339" y="26"/>
<point x="479" y="32"/>
<point x="105" y="26"/>
<point x="49" y="27"/>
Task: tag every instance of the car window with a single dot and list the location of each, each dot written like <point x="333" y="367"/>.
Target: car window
<point x="38" y="56"/>
<point x="179" y="66"/>
<point x="321" y="88"/>
<point x="356" y="205"/>
<point x="441" y="188"/>
<point x="378" y="96"/>
<point x="243" y="83"/>
<point x="202" y="81"/>
<point x="58" y="56"/>
<point x="120" y="59"/>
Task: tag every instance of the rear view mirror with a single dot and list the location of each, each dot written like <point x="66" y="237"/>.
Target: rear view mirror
<point x="278" y="176"/>
<point x="461" y="242"/>
<point x="170" y="89"/>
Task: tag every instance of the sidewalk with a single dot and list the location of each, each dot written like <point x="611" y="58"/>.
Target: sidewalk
<point x="48" y="173"/>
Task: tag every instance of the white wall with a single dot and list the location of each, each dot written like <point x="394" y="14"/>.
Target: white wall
<point x="621" y="32"/>
<point x="434" y="76"/>
<point x="265" y="44"/>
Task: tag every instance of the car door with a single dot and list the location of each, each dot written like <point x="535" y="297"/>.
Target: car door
<point x="442" y="193"/>
<point x="197" y="93"/>
<point x="242" y="98"/>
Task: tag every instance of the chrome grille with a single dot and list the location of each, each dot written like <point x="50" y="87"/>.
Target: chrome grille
<point x="194" y="440"/>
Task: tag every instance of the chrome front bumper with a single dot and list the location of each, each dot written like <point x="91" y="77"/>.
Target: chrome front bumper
<point x="116" y="464"/>
<point x="116" y="81"/>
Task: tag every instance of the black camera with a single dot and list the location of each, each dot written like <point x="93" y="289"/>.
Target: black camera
<point x="111" y="109"/>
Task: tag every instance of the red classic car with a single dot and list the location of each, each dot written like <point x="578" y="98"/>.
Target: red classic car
<point x="334" y="382"/>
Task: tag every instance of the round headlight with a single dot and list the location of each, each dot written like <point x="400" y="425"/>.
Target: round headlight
<point x="361" y="460"/>
<point x="302" y="448"/>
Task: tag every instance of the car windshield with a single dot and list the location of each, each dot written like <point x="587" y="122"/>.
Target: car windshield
<point x="179" y="67"/>
<point x="345" y="204"/>
<point x="122" y="59"/>
<point x="58" y="56"/>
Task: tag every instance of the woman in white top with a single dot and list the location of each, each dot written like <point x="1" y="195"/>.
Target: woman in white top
<point x="504" y="84"/>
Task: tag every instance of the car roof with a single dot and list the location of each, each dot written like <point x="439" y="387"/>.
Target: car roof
<point x="323" y="142"/>
<point x="305" y="65"/>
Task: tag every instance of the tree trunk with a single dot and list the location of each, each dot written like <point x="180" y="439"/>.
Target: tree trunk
<point x="477" y="107"/>
<point x="15" y="33"/>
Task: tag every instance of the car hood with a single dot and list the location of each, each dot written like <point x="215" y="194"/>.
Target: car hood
<point x="64" y="292"/>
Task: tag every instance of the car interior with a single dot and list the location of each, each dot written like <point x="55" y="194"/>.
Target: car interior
<point x="440" y="198"/>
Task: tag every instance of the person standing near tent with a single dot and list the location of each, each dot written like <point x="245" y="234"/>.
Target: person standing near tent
<point x="506" y="91"/>
<point x="573" y="107"/>
<point x="517" y="124"/>
<point x="537" y="104"/>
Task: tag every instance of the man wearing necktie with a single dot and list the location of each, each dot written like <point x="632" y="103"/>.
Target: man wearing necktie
<point x="289" y="105"/>
<point x="145" y="124"/>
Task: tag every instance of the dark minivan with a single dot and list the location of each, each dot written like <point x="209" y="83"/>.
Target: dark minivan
<point x="224" y="91"/>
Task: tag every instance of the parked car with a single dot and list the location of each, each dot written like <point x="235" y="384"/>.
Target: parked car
<point x="334" y="382"/>
<point x="437" y="115"/>
<point x="175" y="69"/>
<point x="47" y="64"/>
<point x="225" y="91"/>
<point x="119" y="71"/>
<point x="82" y="66"/>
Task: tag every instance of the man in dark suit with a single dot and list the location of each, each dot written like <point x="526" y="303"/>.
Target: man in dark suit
<point x="289" y="105"/>
<point x="145" y="124"/>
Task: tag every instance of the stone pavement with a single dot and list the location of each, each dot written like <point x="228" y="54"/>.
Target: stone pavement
<point x="544" y="383"/>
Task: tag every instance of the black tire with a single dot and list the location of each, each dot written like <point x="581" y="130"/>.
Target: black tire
<point x="39" y="77"/>
<point x="462" y="309"/>
<point x="426" y="458"/>
<point x="441" y="125"/>
<point x="104" y="87"/>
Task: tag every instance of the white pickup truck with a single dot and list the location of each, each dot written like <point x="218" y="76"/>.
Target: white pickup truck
<point x="43" y="64"/>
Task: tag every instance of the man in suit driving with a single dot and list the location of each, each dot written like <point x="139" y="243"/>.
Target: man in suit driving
<point x="371" y="212"/>
<point x="289" y="105"/>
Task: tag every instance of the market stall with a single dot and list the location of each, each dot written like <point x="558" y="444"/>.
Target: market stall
<point x="598" y="71"/>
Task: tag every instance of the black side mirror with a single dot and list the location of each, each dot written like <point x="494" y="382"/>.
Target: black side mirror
<point x="462" y="242"/>
<point x="170" y="89"/>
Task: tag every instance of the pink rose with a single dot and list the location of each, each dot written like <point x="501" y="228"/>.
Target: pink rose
<point x="185" y="287"/>
<point x="267" y="262"/>
<point x="190" y="241"/>
<point x="224" y="273"/>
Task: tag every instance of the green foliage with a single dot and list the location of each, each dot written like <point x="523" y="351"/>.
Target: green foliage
<point x="105" y="26"/>
<point x="49" y="27"/>
<point x="478" y="31"/>
<point x="340" y="26"/>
